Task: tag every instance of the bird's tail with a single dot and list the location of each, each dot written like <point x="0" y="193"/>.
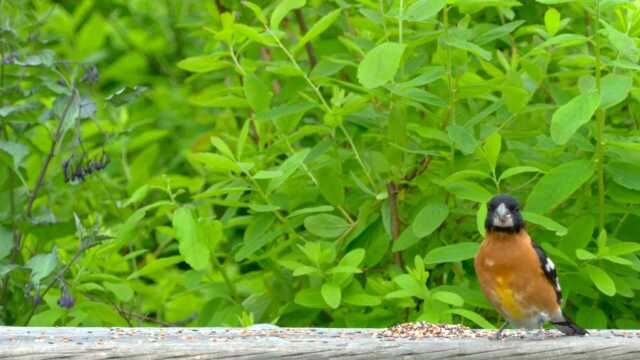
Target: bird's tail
<point x="568" y="327"/>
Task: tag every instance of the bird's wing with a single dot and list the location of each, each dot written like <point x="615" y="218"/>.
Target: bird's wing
<point x="549" y="270"/>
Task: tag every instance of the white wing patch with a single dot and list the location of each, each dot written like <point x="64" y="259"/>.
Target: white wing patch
<point x="550" y="267"/>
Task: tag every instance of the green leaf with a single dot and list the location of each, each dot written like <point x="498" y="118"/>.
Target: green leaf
<point x="473" y="316"/>
<point x="331" y="294"/>
<point x="267" y="174"/>
<point x="601" y="279"/>
<point x="215" y="162"/>
<point x="326" y="225"/>
<point x="331" y="186"/>
<point x="623" y="248"/>
<point x="468" y="190"/>
<point x="282" y="9"/>
<point x="572" y="115"/>
<point x="121" y="290"/>
<point x="42" y="265"/>
<point x="563" y="40"/>
<point x="582" y="254"/>
<point x="44" y="58"/>
<point x="310" y="298"/>
<point x="625" y="173"/>
<point x="203" y="64"/>
<point x="406" y="239"/>
<point x="156" y="265"/>
<point x="429" y="218"/>
<point x="556" y="186"/>
<point x="288" y="167"/>
<point x="615" y="88"/>
<point x="463" y="138"/>
<point x="517" y="170"/>
<point x="305" y="270"/>
<point x="361" y="299"/>
<point x="18" y="152"/>
<point x="72" y="106"/>
<point x="617" y="260"/>
<point x="191" y="244"/>
<point x="6" y="242"/>
<point x="448" y="297"/>
<point x="481" y="217"/>
<point x="257" y="93"/>
<point x="470" y="47"/>
<point x="256" y="235"/>
<point x="424" y="9"/>
<point x="311" y="210"/>
<point x="256" y="11"/>
<point x="318" y="28"/>
<point x="353" y="258"/>
<point x="545" y="222"/>
<point x="452" y="253"/>
<point x="126" y="95"/>
<point x="491" y="149"/>
<point x="427" y="75"/>
<point x="624" y="43"/>
<point x="138" y="195"/>
<point x="497" y="32"/>
<point x="579" y="234"/>
<point x="552" y="21"/>
<point x="380" y="65"/>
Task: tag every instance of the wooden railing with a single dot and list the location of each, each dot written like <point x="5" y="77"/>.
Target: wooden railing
<point x="267" y="342"/>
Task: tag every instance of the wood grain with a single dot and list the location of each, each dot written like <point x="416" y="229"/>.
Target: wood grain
<point x="268" y="342"/>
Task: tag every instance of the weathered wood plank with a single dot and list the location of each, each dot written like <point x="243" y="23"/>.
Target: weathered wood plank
<point x="272" y="342"/>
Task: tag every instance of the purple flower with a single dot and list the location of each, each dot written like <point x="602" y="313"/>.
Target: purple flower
<point x="66" y="301"/>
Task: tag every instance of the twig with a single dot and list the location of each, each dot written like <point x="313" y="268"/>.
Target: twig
<point x="392" y="189"/>
<point x="265" y="54"/>
<point x="417" y="171"/>
<point x="303" y="30"/>
<point x="219" y="6"/>
<point x="45" y="166"/>
<point x="600" y="118"/>
<point x="83" y="247"/>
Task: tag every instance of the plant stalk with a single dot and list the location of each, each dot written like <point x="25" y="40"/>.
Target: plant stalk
<point x="600" y="119"/>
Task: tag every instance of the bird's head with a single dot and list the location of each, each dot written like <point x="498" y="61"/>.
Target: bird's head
<point x="503" y="215"/>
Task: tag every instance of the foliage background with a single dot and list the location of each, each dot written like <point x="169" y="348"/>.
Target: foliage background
<point x="311" y="163"/>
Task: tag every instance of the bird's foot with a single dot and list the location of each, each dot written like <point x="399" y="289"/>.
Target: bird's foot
<point x="537" y="336"/>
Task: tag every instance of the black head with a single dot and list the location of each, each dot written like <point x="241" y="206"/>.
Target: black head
<point x="503" y="215"/>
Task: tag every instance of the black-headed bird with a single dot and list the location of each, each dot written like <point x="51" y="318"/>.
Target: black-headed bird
<point x="515" y="274"/>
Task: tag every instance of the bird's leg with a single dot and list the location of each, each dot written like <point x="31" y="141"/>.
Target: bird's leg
<point x="499" y="332"/>
<point x="539" y="335"/>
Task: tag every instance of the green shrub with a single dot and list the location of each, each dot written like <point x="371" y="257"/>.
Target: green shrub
<point x="315" y="163"/>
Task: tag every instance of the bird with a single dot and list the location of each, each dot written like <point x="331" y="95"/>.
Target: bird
<point x="515" y="274"/>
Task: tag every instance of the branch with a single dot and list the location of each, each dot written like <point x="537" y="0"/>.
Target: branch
<point x="45" y="166"/>
<point x="60" y="275"/>
<point x="303" y="30"/>
<point x="424" y="165"/>
<point x="392" y="189"/>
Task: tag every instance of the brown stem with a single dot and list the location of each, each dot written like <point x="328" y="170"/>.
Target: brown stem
<point x="392" y="189"/>
<point x="417" y="171"/>
<point x="220" y="7"/>
<point x="45" y="166"/>
<point x="60" y="275"/>
<point x="265" y="54"/>
<point x="303" y="30"/>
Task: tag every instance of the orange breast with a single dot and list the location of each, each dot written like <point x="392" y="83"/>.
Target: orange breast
<point x="511" y="278"/>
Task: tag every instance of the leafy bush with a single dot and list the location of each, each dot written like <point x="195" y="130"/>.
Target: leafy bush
<point x="312" y="163"/>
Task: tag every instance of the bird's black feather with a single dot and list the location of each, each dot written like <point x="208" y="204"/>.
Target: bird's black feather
<point x="549" y="270"/>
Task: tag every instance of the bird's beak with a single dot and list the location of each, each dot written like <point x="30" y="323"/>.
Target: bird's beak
<point x="503" y="213"/>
